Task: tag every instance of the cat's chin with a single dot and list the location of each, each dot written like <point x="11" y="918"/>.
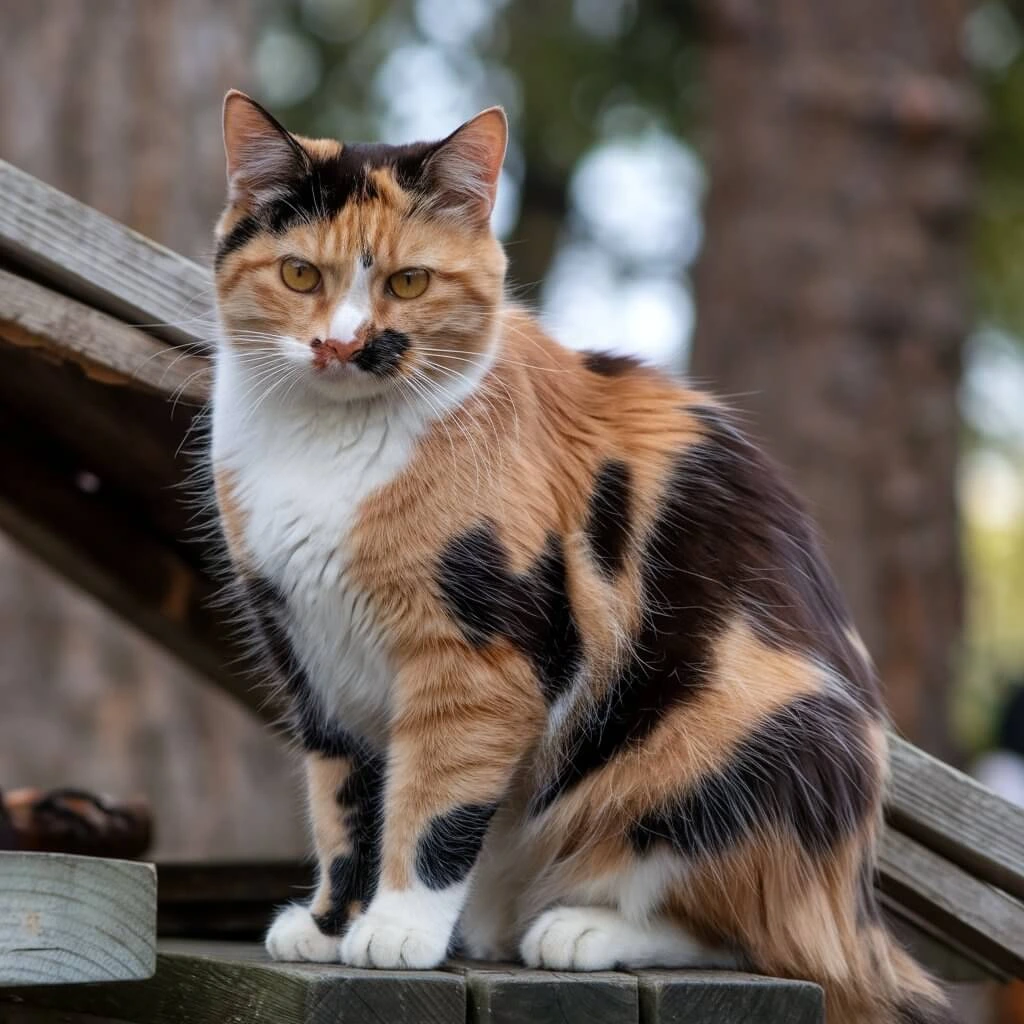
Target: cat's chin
<point x="348" y="384"/>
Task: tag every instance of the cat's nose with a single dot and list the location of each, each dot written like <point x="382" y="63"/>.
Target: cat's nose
<point x="326" y="350"/>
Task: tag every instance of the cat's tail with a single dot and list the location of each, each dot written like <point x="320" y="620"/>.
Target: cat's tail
<point x="885" y="986"/>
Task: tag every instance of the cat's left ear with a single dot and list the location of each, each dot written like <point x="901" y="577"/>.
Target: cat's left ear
<point x="465" y="167"/>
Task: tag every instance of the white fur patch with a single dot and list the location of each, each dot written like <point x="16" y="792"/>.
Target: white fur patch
<point x="302" y="466"/>
<point x="295" y="936"/>
<point x="599" y="939"/>
<point x="404" y="928"/>
<point x="354" y="309"/>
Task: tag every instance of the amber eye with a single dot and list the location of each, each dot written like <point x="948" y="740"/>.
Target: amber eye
<point x="409" y="284"/>
<point x="299" y="275"/>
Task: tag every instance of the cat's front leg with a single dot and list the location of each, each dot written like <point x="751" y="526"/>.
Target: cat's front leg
<point x="463" y="721"/>
<point x="344" y="805"/>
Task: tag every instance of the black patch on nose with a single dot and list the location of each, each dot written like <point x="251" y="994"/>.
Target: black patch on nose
<point x="532" y="610"/>
<point x="382" y="353"/>
<point x="730" y="539"/>
<point x="609" y="516"/>
<point x="606" y="364"/>
<point x="448" y="848"/>
<point x="806" y="770"/>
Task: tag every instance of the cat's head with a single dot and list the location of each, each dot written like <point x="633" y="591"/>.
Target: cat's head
<point x="359" y="269"/>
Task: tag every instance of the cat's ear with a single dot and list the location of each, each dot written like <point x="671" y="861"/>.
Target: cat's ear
<point x="465" y="167"/>
<point x="262" y="156"/>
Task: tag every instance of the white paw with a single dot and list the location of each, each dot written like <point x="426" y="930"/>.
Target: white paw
<point x="573" y="939"/>
<point x="295" y="936"/>
<point x="376" y="939"/>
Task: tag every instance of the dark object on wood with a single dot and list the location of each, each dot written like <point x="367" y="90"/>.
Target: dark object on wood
<point x="74" y="821"/>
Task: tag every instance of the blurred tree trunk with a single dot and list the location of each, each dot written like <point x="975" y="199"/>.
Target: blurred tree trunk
<point x="118" y="103"/>
<point x="832" y="297"/>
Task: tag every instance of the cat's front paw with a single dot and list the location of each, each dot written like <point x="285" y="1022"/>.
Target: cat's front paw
<point x="295" y="936"/>
<point x="377" y="939"/>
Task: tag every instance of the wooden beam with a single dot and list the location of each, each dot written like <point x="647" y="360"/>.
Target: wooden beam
<point x="106" y="350"/>
<point x="85" y="254"/>
<point x="713" y="997"/>
<point x="66" y="919"/>
<point x="205" y="984"/>
<point x="92" y="538"/>
<point x="975" y="914"/>
<point x="957" y="817"/>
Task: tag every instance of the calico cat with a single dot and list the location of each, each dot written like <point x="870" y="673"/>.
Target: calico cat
<point x="571" y="678"/>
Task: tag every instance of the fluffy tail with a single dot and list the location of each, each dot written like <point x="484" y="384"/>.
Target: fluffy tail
<point x="885" y="986"/>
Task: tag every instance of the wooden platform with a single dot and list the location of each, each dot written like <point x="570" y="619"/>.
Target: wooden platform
<point x="220" y="983"/>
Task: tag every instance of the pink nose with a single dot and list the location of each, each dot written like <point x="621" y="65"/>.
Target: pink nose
<point x="330" y="349"/>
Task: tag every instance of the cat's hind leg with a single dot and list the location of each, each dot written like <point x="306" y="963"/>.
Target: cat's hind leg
<point x="599" y="938"/>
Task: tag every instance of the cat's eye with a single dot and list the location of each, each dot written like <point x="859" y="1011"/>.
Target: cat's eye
<point x="299" y="275"/>
<point x="409" y="284"/>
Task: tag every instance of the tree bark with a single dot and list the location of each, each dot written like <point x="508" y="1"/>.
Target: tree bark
<point x="118" y="103"/>
<point x="832" y="297"/>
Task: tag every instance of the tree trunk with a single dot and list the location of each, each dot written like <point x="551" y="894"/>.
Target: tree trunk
<point x="832" y="301"/>
<point x="118" y="103"/>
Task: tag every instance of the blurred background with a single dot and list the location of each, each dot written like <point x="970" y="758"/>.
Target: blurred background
<point x="815" y="208"/>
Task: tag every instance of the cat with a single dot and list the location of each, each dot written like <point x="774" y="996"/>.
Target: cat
<point x="571" y="678"/>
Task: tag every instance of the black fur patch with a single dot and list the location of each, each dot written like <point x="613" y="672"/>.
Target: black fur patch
<point x="609" y="518"/>
<point x="531" y="611"/>
<point x="606" y="364"/>
<point x="354" y="876"/>
<point x="315" y="731"/>
<point x="807" y="768"/>
<point x="730" y="538"/>
<point x="382" y="353"/>
<point x="325" y="186"/>
<point x="448" y="848"/>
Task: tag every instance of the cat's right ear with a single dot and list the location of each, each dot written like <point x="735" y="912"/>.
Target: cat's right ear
<point x="263" y="158"/>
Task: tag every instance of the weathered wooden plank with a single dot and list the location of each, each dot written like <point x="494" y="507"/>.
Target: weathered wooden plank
<point x="93" y="258"/>
<point x="228" y="900"/>
<point x="514" y="995"/>
<point x="211" y="985"/>
<point x="948" y="959"/>
<point x="973" y="913"/>
<point x="94" y="539"/>
<point x="66" y="919"/>
<point x="35" y="317"/>
<point x="718" y="997"/>
<point x="953" y="815"/>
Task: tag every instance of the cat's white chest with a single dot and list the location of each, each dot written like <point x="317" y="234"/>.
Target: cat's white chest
<point x="301" y="470"/>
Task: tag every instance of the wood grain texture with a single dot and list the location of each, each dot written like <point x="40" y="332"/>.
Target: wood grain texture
<point x="513" y="995"/>
<point x="35" y="317"/>
<point x="973" y="913"/>
<point x="957" y="817"/>
<point x="211" y="985"/>
<point x="95" y="259"/>
<point x="67" y="919"/>
<point x="717" y="997"/>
